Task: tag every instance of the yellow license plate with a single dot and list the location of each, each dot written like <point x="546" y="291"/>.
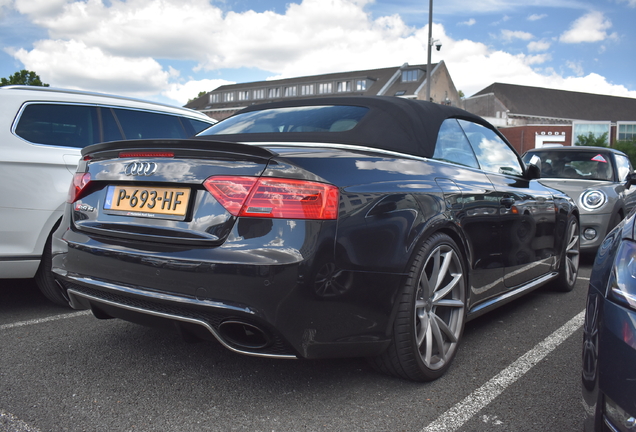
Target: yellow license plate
<point x="142" y="200"/>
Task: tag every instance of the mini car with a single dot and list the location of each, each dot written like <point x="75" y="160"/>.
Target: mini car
<point x="330" y="227"/>
<point x="609" y="335"/>
<point x="42" y="132"/>
<point x="598" y="179"/>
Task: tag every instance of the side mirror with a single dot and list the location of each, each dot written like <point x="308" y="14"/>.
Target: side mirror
<point x="533" y="168"/>
<point x="533" y="172"/>
<point x="630" y="179"/>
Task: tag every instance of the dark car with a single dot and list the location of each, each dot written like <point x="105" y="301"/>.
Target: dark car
<point x="332" y="227"/>
<point x="598" y="179"/>
<point x="609" y="334"/>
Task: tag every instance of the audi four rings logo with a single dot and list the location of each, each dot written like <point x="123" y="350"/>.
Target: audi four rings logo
<point x="141" y="168"/>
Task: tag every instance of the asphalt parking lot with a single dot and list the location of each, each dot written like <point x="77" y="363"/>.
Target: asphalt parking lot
<point x="517" y="369"/>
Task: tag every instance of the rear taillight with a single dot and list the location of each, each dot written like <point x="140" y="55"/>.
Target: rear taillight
<point x="275" y="197"/>
<point x="78" y="186"/>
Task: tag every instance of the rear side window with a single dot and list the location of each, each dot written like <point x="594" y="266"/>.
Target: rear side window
<point x="452" y="145"/>
<point x="59" y="125"/>
<point x="145" y="125"/>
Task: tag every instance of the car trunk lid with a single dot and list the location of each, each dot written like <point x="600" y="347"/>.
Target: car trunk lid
<point x="153" y="190"/>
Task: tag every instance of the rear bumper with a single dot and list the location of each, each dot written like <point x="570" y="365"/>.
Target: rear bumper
<point x="272" y="292"/>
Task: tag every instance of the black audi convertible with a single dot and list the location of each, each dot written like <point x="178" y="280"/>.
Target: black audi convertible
<point x="318" y="228"/>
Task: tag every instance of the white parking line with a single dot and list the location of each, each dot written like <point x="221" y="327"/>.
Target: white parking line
<point x="43" y="320"/>
<point x="10" y="423"/>
<point x="463" y="411"/>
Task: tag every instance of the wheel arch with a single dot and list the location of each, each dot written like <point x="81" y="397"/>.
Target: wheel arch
<point x="451" y="230"/>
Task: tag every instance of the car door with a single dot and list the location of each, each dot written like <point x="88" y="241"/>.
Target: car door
<point x="472" y="200"/>
<point x="527" y="216"/>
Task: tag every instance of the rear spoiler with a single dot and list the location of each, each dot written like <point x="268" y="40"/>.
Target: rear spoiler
<point x="181" y="147"/>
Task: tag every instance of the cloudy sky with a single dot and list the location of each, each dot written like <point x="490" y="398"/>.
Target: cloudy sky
<point x="170" y="50"/>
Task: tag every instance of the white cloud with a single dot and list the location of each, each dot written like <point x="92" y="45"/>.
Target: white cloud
<point x="40" y="8"/>
<point x="4" y="6"/>
<point x="631" y="3"/>
<point x="589" y="28"/>
<point x="502" y="20"/>
<point x="114" y="46"/>
<point x="451" y="7"/>
<point x="536" y="46"/>
<point x="576" y="67"/>
<point x="470" y="22"/>
<point x="72" y="64"/>
<point x="536" y="17"/>
<point x="473" y="66"/>
<point x="591" y="83"/>
<point x="509" y="35"/>
<point x="189" y="90"/>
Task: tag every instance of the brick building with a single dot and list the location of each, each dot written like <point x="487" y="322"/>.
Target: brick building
<point x="531" y="117"/>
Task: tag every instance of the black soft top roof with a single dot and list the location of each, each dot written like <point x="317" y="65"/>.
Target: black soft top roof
<point x="392" y="123"/>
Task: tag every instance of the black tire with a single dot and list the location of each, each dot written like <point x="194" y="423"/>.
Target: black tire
<point x="431" y="314"/>
<point x="569" y="267"/>
<point x="45" y="280"/>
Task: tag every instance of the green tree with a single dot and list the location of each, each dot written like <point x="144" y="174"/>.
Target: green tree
<point x="24" y="77"/>
<point x="592" y="140"/>
<point x="461" y="94"/>
<point x="201" y="93"/>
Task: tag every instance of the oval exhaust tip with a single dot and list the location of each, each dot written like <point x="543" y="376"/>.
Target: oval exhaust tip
<point x="243" y="335"/>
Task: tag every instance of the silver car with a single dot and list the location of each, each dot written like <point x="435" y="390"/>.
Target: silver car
<point x="42" y="133"/>
<point x="598" y="179"/>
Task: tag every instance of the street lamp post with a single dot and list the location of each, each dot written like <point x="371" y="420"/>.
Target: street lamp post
<point x="430" y="45"/>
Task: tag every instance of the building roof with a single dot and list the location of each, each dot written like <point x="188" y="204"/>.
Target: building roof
<point x="382" y="82"/>
<point x="543" y="102"/>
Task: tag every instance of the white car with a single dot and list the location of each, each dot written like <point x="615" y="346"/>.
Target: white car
<point x="42" y="132"/>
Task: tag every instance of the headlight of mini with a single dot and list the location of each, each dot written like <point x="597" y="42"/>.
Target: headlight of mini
<point x="622" y="283"/>
<point x="593" y="199"/>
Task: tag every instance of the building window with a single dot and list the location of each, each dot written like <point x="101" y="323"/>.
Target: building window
<point x="626" y="131"/>
<point x="214" y="98"/>
<point x="243" y="95"/>
<point x="228" y="97"/>
<point x="361" y="85"/>
<point x="584" y="132"/>
<point x="409" y="75"/>
<point x="290" y="91"/>
<point x="307" y="89"/>
<point x="324" y="88"/>
<point x="343" y="86"/>
<point x="273" y="93"/>
<point x="259" y="94"/>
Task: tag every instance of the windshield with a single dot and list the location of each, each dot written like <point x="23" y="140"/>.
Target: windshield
<point x="575" y="165"/>
<point x="294" y="119"/>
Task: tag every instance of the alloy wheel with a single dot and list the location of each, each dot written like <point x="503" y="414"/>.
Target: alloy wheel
<point x="439" y="307"/>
